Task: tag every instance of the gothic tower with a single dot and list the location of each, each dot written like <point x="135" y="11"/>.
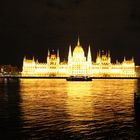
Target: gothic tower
<point x="69" y="55"/>
<point x="89" y="59"/>
<point x="48" y="56"/>
<point x="58" y="58"/>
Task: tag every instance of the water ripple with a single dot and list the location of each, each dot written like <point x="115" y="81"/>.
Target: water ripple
<point x="57" y="109"/>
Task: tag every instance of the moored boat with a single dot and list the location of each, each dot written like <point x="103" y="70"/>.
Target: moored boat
<point x="79" y="78"/>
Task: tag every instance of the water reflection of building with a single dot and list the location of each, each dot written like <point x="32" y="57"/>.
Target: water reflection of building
<point x="79" y="101"/>
<point x="96" y="104"/>
<point x="79" y="64"/>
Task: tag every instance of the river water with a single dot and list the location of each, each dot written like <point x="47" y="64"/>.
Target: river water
<point x="54" y="109"/>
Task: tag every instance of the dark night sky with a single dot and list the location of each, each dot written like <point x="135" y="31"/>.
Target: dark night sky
<point x="30" y="28"/>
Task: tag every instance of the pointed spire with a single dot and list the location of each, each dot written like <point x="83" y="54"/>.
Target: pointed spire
<point x="124" y="59"/>
<point x="108" y="53"/>
<point x="58" y="53"/>
<point x="99" y="53"/>
<point x="69" y="51"/>
<point x="69" y="55"/>
<point x="48" y="56"/>
<point x="36" y="60"/>
<point x="89" y="54"/>
<point x="132" y="59"/>
<point x="24" y="58"/>
<point x="78" y="41"/>
<point x="89" y="51"/>
<point x="58" y="59"/>
<point x="48" y="52"/>
<point x="33" y="58"/>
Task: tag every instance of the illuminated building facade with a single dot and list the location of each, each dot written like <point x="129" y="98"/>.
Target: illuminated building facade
<point x="79" y="65"/>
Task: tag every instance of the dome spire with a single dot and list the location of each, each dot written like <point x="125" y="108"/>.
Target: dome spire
<point x="78" y="41"/>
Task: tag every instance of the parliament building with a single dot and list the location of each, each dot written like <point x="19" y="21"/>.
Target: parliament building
<point x="79" y="65"/>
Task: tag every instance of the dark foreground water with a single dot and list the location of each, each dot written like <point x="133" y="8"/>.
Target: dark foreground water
<point x="60" y="110"/>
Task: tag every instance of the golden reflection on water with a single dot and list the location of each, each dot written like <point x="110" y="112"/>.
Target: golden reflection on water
<point x="79" y="101"/>
<point x="51" y="102"/>
<point x="100" y="101"/>
<point x="43" y="100"/>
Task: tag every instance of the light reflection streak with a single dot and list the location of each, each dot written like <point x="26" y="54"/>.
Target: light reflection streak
<point x="79" y="99"/>
<point x="99" y="102"/>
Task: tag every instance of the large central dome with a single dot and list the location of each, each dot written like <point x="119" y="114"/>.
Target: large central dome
<point x="78" y="50"/>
